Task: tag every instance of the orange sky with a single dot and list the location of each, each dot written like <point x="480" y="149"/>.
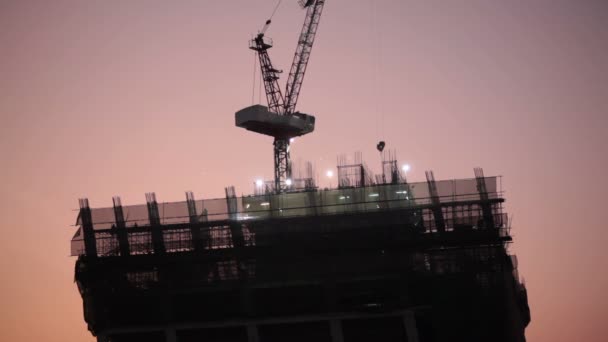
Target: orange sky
<point x="103" y="98"/>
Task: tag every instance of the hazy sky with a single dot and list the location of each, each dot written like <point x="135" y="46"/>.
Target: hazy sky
<point x="103" y="98"/>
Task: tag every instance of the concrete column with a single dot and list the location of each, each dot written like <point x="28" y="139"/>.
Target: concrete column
<point x="409" y="321"/>
<point x="170" y="335"/>
<point x="88" y="232"/>
<point x="335" y="327"/>
<point x="158" y="241"/>
<point x="252" y="333"/>
<point x="195" y="230"/>
<point x="121" y="227"/>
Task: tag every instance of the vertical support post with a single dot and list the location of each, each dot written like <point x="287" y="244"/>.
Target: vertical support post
<point x="396" y="177"/>
<point x="362" y="176"/>
<point x="195" y="230"/>
<point x="121" y="227"/>
<point x="335" y="328"/>
<point x="154" y="217"/>
<point x="231" y="202"/>
<point x="90" y="245"/>
<point x="409" y="321"/>
<point x="191" y="207"/>
<point x="235" y="227"/>
<point x="437" y="213"/>
<point x="486" y="207"/>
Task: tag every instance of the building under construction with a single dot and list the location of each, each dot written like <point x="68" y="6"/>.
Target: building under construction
<point x="368" y="261"/>
<point x="377" y="259"/>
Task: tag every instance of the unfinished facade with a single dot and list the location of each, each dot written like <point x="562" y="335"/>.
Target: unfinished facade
<point x="369" y="261"/>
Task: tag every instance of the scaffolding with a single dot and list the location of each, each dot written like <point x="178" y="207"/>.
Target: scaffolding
<point x="460" y="203"/>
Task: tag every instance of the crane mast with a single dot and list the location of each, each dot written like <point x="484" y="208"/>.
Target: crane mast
<point x="280" y="119"/>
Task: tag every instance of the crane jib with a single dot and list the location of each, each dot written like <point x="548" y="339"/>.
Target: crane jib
<point x="302" y="55"/>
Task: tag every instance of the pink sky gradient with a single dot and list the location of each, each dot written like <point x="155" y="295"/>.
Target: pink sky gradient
<point x="103" y="98"/>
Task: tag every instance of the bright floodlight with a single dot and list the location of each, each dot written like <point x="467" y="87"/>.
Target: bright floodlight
<point x="259" y="182"/>
<point x="288" y="182"/>
<point x="292" y="140"/>
<point x="406" y="167"/>
<point x="330" y="173"/>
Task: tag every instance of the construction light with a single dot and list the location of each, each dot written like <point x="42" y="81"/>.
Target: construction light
<point x="292" y="140"/>
<point x="288" y="182"/>
<point x="330" y="173"/>
<point x="406" y="167"/>
<point x="259" y="182"/>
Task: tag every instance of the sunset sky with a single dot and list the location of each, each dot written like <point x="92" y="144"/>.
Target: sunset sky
<point x="102" y="98"/>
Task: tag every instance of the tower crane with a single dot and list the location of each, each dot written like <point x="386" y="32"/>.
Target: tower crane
<point x="280" y="119"/>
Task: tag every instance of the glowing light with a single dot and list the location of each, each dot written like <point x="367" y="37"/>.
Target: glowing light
<point x="244" y="217"/>
<point x="288" y="182"/>
<point x="406" y="167"/>
<point x="259" y="182"/>
<point x="330" y="173"/>
<point x="292" y="140"/>
<point x="265" y="204"/>
<point x="374" y="195"/>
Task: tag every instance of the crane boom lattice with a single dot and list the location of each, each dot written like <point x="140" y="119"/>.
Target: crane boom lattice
<point x="270" y="75"/>
<point x="280" y="119"/>
<point x="302" y="55"/>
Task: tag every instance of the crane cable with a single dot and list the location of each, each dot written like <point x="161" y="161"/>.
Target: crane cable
<point x="377" y="69"/>
<point x="275" y="9"/>
<point x="255" y="66"/>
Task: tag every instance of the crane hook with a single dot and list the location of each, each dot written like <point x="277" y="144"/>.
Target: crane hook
<point x="266" y="26"/>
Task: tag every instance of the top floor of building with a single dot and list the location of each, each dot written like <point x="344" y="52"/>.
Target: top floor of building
<point x="428" y="207"/>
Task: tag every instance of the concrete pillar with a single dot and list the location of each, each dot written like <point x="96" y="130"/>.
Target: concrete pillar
<point x="409" y="322"/>
<point x="121" y="226"/>
<point x="252" y="333"/>
<point x="195" y="230"/>
<point x="158" y="241"/>
<point x="486" y="207"/>
<point x="86" y="220"/>
<point x="335" y="327"/>
<point x="437" y="211"/>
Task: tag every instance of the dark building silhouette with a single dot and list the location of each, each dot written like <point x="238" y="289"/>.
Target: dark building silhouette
<point x="373" y="260"/>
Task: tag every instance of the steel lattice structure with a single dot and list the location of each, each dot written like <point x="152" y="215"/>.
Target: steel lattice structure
<point x="300" y="59"/>
<point x="286" y="105"/>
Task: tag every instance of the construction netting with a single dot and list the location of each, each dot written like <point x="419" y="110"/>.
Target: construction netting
<point x="321" y="202"/>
